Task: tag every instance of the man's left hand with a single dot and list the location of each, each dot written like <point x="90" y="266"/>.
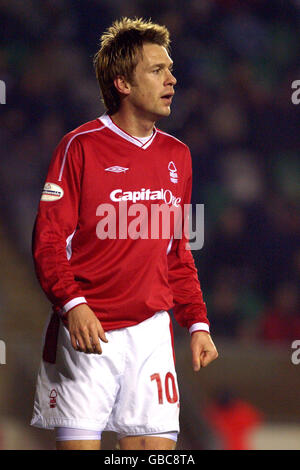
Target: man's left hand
<point x="203" y="349"/>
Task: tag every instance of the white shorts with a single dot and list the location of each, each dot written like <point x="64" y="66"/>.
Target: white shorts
<point x="131" y="388"/>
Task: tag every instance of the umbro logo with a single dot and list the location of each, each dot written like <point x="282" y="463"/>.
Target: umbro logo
<point x="117" y="169"/>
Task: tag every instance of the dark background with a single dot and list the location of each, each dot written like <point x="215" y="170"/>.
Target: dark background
<point x="235" y="63"/>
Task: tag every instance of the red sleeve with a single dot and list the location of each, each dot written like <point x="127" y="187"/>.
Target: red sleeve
<point x="189" y="309"/>
<point x="57" y="220"/>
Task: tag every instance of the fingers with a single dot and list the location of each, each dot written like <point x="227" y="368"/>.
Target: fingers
<point x="86" y="338"/>
<point x="207" y="357"/>
<point x="74" y="341"/>
<point x="85" y="330"/>
<point x="196" y="360"/>
<point x="86" y="335"/>
<point x="203" y="350"/>
<point x="203" y="358"/>
<point x="101" y="333"/>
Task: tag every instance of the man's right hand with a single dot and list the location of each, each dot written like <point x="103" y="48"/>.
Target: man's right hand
<point x="85" y="330"/>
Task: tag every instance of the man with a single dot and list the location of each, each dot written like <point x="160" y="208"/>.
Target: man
<point x="117" y="288"/>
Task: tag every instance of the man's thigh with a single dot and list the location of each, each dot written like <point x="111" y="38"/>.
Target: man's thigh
<point x="146" y="443"/>
<point x="126" y="443"/>
<point x="78" y="445"/>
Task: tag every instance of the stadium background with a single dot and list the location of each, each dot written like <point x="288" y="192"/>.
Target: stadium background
<point x="235" y="63"/>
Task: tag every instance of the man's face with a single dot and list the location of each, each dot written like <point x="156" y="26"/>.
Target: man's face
<point x="153" y="83"/>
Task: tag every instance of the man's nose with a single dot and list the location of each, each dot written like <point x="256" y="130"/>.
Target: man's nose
<point x="171" y="79"/>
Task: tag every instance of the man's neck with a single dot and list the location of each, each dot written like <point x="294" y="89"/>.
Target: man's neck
<point x="133" y="125"/>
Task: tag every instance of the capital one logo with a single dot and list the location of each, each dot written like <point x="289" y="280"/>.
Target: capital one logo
<point x="2" y="92"/>
<point x="145" y="195"/>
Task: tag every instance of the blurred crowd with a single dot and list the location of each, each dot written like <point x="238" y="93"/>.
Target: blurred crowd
<point x="235" y="63"/>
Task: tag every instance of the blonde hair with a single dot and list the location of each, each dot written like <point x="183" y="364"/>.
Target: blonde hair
<point x="120" y="48"/>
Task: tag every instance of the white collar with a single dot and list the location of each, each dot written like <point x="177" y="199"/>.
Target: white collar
<point x="107" y="121"/>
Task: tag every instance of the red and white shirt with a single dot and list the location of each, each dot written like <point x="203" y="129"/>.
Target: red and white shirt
<point x="123" y="280"/>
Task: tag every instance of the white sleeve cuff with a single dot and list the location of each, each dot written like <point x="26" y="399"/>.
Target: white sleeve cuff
<point x="73" y="303"/>
<point x="199" y="327"/>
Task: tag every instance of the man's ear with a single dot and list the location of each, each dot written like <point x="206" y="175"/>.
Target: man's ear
<point x="122" y="85"/>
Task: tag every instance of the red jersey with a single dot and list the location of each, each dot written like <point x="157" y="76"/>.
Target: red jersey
<point x="122" y="279"/>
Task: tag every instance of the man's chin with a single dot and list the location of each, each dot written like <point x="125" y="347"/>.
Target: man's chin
<point x="164" y="113"/>
<point x="157" y="114"/>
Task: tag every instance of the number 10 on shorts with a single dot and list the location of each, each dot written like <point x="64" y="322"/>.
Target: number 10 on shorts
<point x="172" y="396"/>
